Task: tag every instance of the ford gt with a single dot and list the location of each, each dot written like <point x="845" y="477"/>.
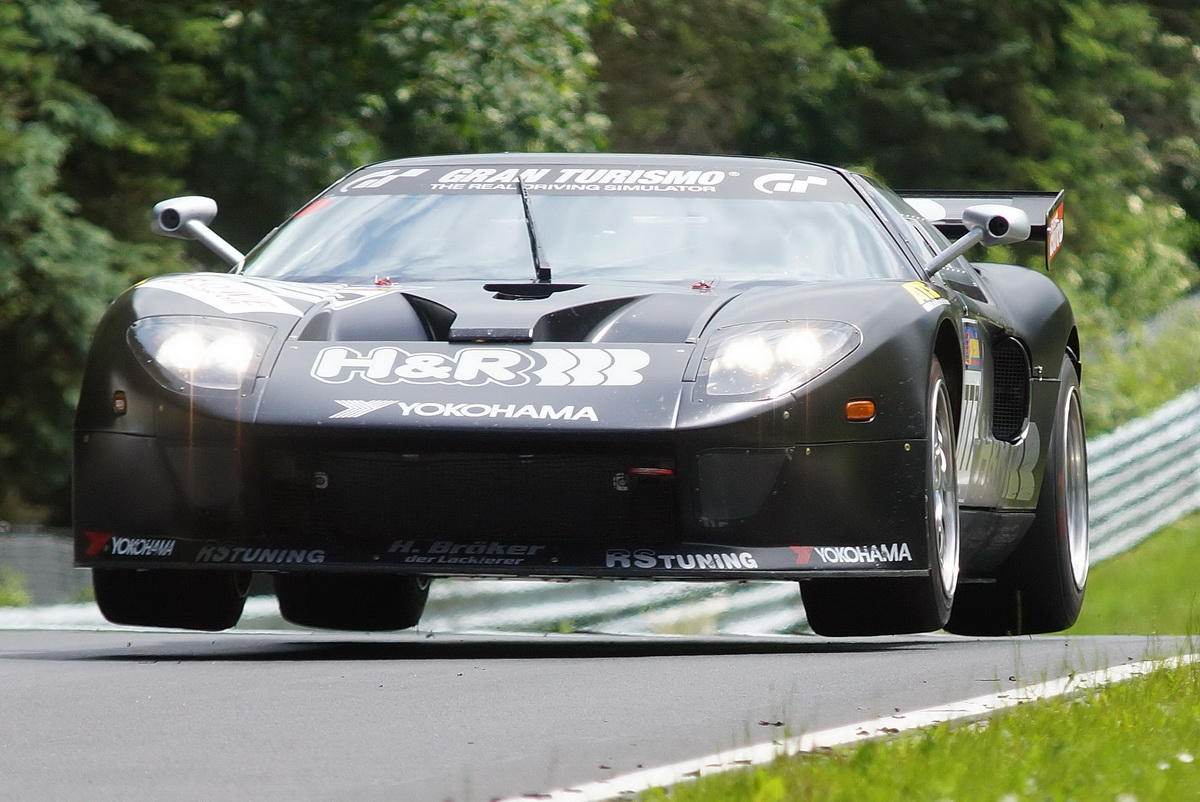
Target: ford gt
<point x="594" y="366"/>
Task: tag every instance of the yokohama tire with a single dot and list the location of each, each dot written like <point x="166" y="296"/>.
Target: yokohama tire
<point x="892" y="606"/>
<point x="356" y="602"/>
<point x="207" y="600"/>
<point x="1040" y="586"/>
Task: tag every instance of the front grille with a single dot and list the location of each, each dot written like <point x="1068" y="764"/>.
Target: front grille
<point x="1010" y="372"/>
<point x="368" y="496"/>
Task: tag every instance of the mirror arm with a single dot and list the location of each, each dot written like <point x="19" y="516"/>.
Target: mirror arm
<point x="213" y="241"/>
<point x="956" y="249"/>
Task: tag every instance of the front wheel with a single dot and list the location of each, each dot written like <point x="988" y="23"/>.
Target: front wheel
<point x="893" y="606"/>
<point x="1040" y="586"/>
<point x="356" y="602"/>
<point x="205" y="600"/>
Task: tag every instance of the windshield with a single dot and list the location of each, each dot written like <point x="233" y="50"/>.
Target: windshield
<point x="355" y="238"/>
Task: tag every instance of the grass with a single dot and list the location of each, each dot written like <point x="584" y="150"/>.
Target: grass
<point x="1136" y="740"/>
<point x="1152" y="588"/>
<point x="1131" y="742"/>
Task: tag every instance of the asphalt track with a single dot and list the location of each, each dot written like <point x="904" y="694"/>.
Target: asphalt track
<point x="127" y="715"/>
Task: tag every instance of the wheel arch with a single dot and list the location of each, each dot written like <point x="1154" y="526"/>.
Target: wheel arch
<point x="948" y="352"/>
<point x="1039" y="313"/>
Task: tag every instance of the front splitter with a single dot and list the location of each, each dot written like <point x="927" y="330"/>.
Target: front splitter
<point x="557" y="559"/>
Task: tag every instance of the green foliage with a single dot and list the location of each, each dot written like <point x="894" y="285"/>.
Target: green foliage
<point x="711" y="76"/>
<point x="1040" y="95"/>
<point x="165" y="101"/>
<point x="291" y="74"/>
<point x="56" y="269"/>
<point x="13" y="590"/>
<point x="319" y="88"/>
<point x="1127" y="375"/>
<point x="487" y="75"/>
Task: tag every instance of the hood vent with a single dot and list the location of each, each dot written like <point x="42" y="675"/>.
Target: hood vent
<point x="458" y="312"/>
<point x="527" y="292"/>
<point x="436" y="318"/>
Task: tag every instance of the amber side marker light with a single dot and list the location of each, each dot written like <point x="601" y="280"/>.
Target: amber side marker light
<point x="119" y="405"/>
<point x="863" y="410"/>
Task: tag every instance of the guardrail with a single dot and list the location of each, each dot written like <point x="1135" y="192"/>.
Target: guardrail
<point x="1141" y="477"/>
<point x="1144" y="475"/>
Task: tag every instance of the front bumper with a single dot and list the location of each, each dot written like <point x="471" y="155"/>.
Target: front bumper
<point x="279" y="501"/>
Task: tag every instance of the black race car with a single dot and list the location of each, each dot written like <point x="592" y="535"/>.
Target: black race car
<point x="594" y="366"/>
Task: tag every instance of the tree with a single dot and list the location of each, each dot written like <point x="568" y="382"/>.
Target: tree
<point x="57" y="270"/>
<point x="712" y="76"/>
<point x="1037" y="94"/>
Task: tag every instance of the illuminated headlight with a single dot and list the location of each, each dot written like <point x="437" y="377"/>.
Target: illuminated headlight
<point x="204" y="352"/>
<point x="767" y="360"/>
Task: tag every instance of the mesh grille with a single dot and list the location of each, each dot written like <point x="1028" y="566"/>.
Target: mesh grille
<point x="368" y="496"/>
<point x="1010" y="410"/>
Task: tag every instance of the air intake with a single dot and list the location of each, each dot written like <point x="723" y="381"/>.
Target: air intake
<point x="1010" y="374"/>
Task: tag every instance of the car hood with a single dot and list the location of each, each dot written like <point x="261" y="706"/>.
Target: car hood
<point x="473" y="355"/>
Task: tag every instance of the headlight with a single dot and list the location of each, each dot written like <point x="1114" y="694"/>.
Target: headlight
<point x="767" y="360"/>
<point x="205" y="352"/>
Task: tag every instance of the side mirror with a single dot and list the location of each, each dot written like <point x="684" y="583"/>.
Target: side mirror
<point x="188" y="218"/>
<point x="987" y="225"/>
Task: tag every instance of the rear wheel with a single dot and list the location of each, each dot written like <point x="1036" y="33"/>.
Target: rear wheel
<point x="207" y="600"/>
<point x="1040" y="586"/>
<point x="357" y="602"/>
<point x="891" y="606"/>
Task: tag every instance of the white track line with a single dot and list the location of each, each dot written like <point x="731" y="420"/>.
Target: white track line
<point x="978" y="707"/>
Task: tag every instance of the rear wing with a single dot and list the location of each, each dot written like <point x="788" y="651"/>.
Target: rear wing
<point x="944" y="210"/>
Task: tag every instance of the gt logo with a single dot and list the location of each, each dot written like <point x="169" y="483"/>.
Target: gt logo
<point x="381" y="177"/>
<point x="473" y="367"/>
<point x="787" y="182"/>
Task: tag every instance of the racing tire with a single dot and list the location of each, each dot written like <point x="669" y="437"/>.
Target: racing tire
<point x="355" y="602"/>
<point x="899" y="605"/>
<point x="1040" y="586"/>
<point x="205" y="600"/>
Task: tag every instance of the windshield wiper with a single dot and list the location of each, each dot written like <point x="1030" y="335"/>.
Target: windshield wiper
<point x="541" y="267"/>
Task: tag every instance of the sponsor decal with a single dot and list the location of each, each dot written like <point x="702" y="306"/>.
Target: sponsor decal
<point x="925" y="295"/>
<point x="228" y="294"/>
<point x="580" y="178"/>
<point x="972" y="423"/>
<point x="335" y="296"/>
<point x="594" y="179"/>
<point x="1054" y="233"/>
<point x="480" y="552"/>
<point x="437" y="409"/>
<point x="878" y="553"/>
<point x="803" y="554"/>
<point x="380" y="178"/>
<point x="699" y="561"/>
<point x="787" y="182"/>
<point x="842" y="555"/>
<point x="475" y="367"/>
<point x="142" y="547"/>
<point x="96" y="542"/>
<point x="971" y="350"/>
<point x="107" y="543"/>
<point x="221" y="553"/>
